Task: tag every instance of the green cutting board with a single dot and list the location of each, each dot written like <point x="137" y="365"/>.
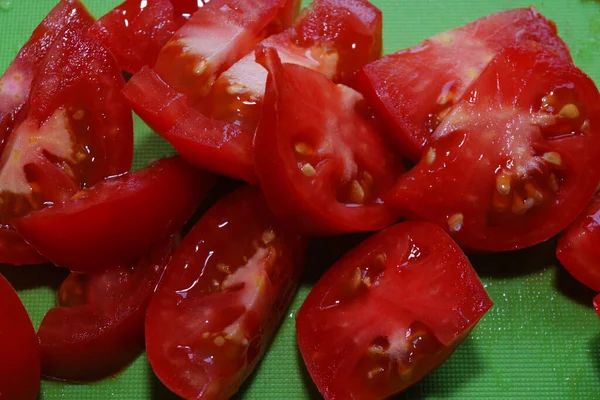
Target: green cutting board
<point x="540" y="341"/>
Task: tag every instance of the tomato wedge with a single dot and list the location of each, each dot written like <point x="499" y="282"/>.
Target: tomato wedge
<point x="388" y="312"/>
<point x="119" y="219"/>
<point x="20" y="367"/>
<point x="514" y="161"/>
<point x="98" y="327"/>
<point x="322" y="162"/>
<point x="578" y="247"/>
<point x="222" y="297"/>
<point x="413" y="89"/>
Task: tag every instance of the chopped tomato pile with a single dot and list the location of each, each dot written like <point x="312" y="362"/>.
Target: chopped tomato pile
<point x="489" y="151"/>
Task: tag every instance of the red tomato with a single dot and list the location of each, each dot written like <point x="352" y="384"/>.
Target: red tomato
<point x="20" y="366"/>
<point x="389" y="312"/>
<point x="331" y="36"/>
<point x="222" y="297"/>
<point x="136" y="30"/>
<point x="514" y="162"/>
<point x="413" y="89"/>
<point x="14" y="250"/>
<point x="322" y="163"/>
<point x="119" y="219"/>
<point x="98" y="328"/>
<point x="597" y="304"/>
<point x="579" y="246"/>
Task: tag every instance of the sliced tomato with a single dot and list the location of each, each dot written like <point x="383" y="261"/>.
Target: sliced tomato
<point x="136" y="30"/>
<point x="513" y="163"/>
<point x="222" y="297"/>
<point x="15" y="83"/>
<point x="388" y="312"/>
<point x="15" y="250"/>
<point x="221" y="33"/>
<point x="578" y="248"/>
<point x="331" y="36"/>
<point x="597" y="304"/>
<point x="119" y="219"/>
<point x="20" y="367"/>
<point x="413" y="89"/>
<point x="322" y="162"/>
<point x="98" y="327"/>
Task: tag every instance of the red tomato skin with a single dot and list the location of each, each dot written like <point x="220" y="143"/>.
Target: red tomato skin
<point x="597" y="304"/>
<point x="15" y="250"/>
<point x="98" y="329"/>
<point x="19" y="352"/>
<point x="404" y="87"/>
<point x="410" y="259"/>
<point x="187" y="312"/>
<point x="124" y="216"/>
<point x="578" y="248"/>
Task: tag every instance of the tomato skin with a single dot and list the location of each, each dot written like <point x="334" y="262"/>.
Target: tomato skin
<point x="222" y="297"/>
<point x="20" y="367"/>
<point x="15" y="251"/>
<point x="98" y="327"/>
<point x="309" y="122"/>
<point x="124" y="216"/>
<point x="412" y="89"/>
<point x="499" y="189"/>
<point x="597" y="304"/>
<point x="388" y="312"/>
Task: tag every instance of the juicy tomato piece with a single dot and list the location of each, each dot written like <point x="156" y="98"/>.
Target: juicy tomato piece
<point x="20" y="367"/>
<point x="388" y="312"/>
<point x="597" y="304"/>
<point x="136" y="30"/>
<point x="222" y="297"/>
<point x="204" y="142"/>
<point x="214" y="38"/>
<point x="321" y="161"/>
<point x="15" y="250"/>
<point x="15" y="84"/>
<point x="514" y="162"/>
<point x="578" y="248"/>
<point x="119" y="219"/>
<point x="331" y="36"/>
<point x="413" y="89"/>
<point x="98" y="327"/>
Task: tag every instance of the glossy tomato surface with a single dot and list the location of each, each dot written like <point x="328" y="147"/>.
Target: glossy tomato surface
<point x="413" y="89"/>
<point x="20" y="366"/>
<point x="119" y="219"/>
<point x="513" y="163"/>
<point x="222" y="297"/>
<point x="388" y="312"/>
<point x="322" y="161"/>
<point x="98" y="327"/>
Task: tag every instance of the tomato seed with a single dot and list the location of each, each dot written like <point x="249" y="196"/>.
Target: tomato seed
<point x="455" y="222"/>
<point x="303" y="149"/>
<point x="200" y="67"/>
<point x="503" y="184"/>
<point x="78" y="116"/>
<point x="430" y="156"/>
<point x="569" y="111"/>
<point x="374" y="372"/>
<point x="357" y="193"/>
<point x="308" y="170"/>
<point x="219" y="341"/>
<point x="553" y="158"/>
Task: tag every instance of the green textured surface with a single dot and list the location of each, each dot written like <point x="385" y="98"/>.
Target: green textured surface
<point x="540" y="341"/>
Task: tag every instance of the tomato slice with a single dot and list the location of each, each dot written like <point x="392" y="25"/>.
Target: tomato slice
<point x="388" y="312"/>
<point x="322" y="162"/>
<point x="98" y="327"/>
<point x="222" y="297"/>
<point x="136" y="30"/>
<point x="597" y="304"/>
<point x="15" y="250"/>
<point x="578" y="249"/>
<point x="513" y="163"/>
<point x="413" y="89"/>
<point x="119" y="219"/>
<point x="20" y="367"/>
<point x="15" y="83"/>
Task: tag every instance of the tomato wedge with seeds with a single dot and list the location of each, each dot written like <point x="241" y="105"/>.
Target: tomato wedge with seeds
<point x="222" y="297"/>
<point x="321" y="160"/>
<point x="578" y="248"/>
<point x="413" y="89"/>
<point x="119" y="219"/>
<point x="20" y="367"/>
<point x="98" y="327"/>
<point x="513" y="163"/>
<point x="388" y="312"/>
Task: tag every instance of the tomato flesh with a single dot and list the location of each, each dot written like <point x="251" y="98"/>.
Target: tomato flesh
<point x="413" y="89"/>
<point x="388" y="312"/>
<point x="123" y="216"/>
<point x="222" y="297"/>
<point x="20" y="367"/>
<point x="512" y="164"/>
<point x="321" y="160"/>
